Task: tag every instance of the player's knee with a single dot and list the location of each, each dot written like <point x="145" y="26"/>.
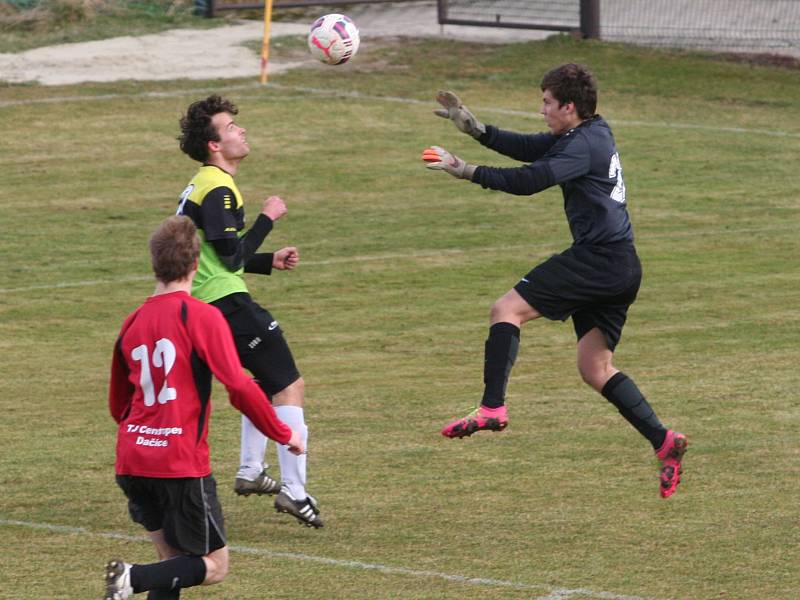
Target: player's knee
<point x="499" y="311"/>
<point x="216" y="566"/>
<point x="585" y="375"/>
<point x="292" y="395"/>
<point x="591" y="374"/>
<point x="223" y="568"/>
<point x="300" y="386"/>
<point x="166" y="554"/>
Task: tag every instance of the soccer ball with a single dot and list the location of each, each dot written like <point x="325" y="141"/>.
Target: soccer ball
<point x="333" y="39"/>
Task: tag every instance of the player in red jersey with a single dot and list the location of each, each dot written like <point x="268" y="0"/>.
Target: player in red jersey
<point x="159" y="395"/>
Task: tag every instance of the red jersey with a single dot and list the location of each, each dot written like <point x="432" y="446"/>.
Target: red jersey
<point x="160" y="387"/>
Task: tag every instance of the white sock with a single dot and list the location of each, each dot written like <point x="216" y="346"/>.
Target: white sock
<point x="293" y="468"/>
<point x="251" y="454"/>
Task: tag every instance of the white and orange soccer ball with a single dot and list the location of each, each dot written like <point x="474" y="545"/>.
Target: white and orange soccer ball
<point x="333" y="39"/>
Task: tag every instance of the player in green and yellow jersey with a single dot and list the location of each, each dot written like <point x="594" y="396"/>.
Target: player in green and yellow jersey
<point x="211" y="136"/>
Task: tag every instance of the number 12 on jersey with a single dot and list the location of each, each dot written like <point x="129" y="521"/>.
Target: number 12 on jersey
<point x="163" y="358"/>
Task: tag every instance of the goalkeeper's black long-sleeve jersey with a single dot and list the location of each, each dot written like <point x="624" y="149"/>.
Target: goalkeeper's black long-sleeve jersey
<point x="584" y="161"/>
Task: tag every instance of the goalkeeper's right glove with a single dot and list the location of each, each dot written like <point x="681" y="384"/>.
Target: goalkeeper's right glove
<point x="439" y="159"/>
<point x="459" y="114"/>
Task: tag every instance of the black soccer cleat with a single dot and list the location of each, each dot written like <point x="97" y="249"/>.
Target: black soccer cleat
<point x="263" y="484"/>
<point x="305" y="511"/>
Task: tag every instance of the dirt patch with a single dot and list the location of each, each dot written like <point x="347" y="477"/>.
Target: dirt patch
<point x="763" y="60"/>
<point x="221" y="53"/>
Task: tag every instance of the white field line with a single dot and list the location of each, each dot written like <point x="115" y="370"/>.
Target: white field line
<point x="394" y="99"/>
<point x="551" y="592"/>
<point x="422" y="254"/>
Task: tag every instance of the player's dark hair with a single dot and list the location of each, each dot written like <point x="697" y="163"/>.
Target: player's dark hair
<point x="573" y="83"/>
<point x="174" y="248"/>
<point x="196" y="127"/>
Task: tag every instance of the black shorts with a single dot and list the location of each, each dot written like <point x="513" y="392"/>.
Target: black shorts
<point x="186" y="508"/>
<point x="594" y="285"/>
<point x="259" y="340"/>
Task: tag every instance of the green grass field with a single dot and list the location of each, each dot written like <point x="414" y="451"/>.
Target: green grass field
<point x="387" y="315"/>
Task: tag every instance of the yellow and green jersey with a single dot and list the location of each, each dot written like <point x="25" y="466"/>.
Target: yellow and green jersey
<point x="214" y="203"/>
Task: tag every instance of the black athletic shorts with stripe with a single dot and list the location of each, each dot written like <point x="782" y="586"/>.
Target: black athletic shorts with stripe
<point x="186" y="508"/>
<point x="259" y="340"/>
<point x="594" y="285"/>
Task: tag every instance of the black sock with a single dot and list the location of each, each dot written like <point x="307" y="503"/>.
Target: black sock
<point x="171" y="574"/>
<point x="164" y="594"/>
<point x="622" y="392"/>
<point x="500" y="353"/>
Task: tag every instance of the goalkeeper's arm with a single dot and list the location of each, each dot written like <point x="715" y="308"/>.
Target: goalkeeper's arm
<point x="459" y="114"/>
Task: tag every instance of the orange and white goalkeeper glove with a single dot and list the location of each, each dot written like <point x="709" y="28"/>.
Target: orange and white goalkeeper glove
<point x="459" y="114"/>
<point x="439" y="159"/>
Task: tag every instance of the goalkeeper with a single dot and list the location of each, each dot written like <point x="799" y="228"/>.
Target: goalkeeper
<point x="594" y="281"/>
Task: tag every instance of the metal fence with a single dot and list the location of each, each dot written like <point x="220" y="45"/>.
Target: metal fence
<point x="771" y="26"/>
<point x="212" y="8"/>
<point x="752" y="26"/>
<point x="548" y="15"/>
<point x="758" y="26"/>
<point x="575" y="16"/>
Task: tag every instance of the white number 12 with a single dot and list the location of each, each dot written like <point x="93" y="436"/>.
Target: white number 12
<point x="163" y="357"/>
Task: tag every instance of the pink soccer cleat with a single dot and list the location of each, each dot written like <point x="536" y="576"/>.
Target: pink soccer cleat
<point x="494" y="419"/>
<point x="670" y="454"/>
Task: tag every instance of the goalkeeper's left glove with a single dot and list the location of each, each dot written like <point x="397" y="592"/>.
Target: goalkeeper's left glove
<point x="459" y="114"/>
<point x="441" y="160"/>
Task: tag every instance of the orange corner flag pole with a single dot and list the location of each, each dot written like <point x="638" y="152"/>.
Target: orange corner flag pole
<point x="265" y="42"/>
